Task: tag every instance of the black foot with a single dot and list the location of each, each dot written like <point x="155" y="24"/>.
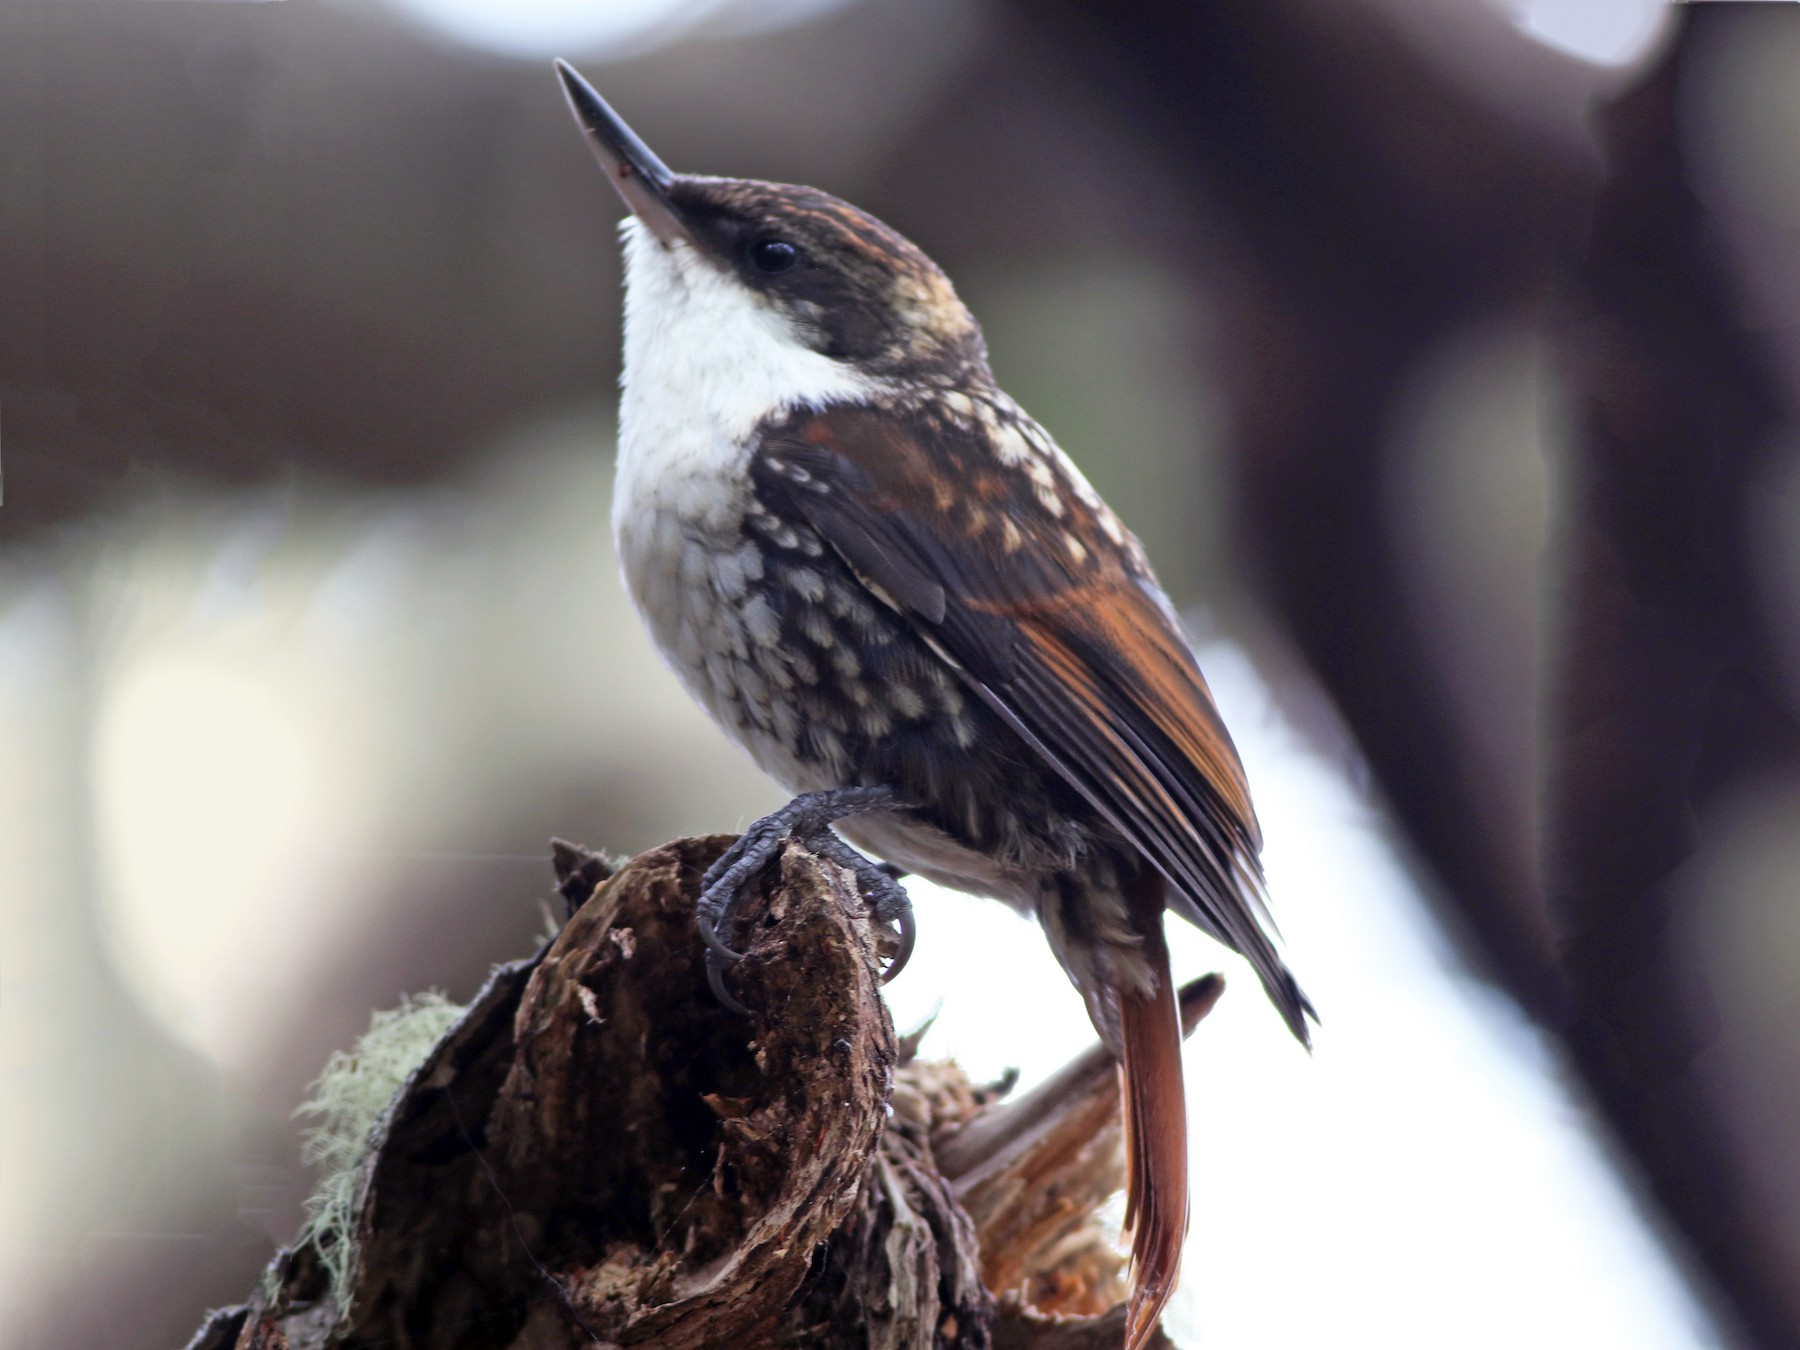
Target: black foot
<point x="808" y="818"/>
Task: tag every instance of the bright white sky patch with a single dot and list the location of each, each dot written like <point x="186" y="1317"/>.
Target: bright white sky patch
<point x="1605" y="32"/>
<point x="1421" y="1181"/>
<point x="543" y="27"/>
<point x="207" y="783"/>
<point x="572" y="28"/>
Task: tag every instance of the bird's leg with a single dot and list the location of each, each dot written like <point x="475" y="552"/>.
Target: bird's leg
<point x="808" y="818"/>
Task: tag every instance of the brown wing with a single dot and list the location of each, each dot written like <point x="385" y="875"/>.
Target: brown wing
<point x="975" y="530"/>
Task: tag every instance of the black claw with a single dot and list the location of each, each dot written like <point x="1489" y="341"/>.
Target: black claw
<point x="808" y="818"/>
<point x="715" y="976"/>
<point x="909" y="934"/>
<point x="881" y="891"/>
<point x="716" y="949"/>
<point x="725" y="881"/>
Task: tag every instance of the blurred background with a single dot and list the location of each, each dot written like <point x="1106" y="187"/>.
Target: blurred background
<point x="1442" y="352"/>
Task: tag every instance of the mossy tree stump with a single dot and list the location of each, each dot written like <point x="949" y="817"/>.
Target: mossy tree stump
<point x="599" y="1154"/>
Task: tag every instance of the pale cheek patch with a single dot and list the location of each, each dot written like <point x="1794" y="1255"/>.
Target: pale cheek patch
<point x="929" y="305"/>
<point x="706" y="359"/>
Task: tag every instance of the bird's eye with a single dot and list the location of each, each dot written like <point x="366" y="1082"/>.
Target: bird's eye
<point x="772" y="256"/>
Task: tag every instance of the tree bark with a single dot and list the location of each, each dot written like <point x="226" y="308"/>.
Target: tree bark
<point x="599" y="1153"/>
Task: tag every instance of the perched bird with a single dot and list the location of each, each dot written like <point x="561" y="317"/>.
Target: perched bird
<point x="886" y="582"/>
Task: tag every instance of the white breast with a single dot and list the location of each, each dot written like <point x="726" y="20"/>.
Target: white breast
<point x="706" y="359"/>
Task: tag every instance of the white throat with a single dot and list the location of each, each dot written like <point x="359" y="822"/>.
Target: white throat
<point x="706" y="359"/>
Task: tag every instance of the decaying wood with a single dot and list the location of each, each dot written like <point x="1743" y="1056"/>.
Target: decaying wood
<point x="1033" y="1172"/>
<point x="600" y="1154"/>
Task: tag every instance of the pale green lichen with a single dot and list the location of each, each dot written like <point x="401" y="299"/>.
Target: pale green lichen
<point x="347" y="1101"/>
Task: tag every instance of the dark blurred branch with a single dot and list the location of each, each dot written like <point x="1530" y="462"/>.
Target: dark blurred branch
<point x="598" y="1153"/>
<point x="1670" y="699"/>
<point x="1376" y="208"/>
<point x="1371" y="205"/>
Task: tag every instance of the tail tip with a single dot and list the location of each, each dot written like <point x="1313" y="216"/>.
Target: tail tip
<point x="1295" y="1007"/>
<point x="1143" y="1315"/>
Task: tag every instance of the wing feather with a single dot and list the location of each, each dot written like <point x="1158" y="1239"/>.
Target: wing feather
<point x="1019" y="578"/>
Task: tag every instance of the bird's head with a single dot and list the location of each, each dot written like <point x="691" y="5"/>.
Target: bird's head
<point x="717" y="265"/>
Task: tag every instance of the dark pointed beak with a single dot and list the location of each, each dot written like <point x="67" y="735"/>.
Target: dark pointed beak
<point x="641" y="178"/>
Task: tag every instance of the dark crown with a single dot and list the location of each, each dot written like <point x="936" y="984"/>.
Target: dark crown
<point x="858" y="290"/>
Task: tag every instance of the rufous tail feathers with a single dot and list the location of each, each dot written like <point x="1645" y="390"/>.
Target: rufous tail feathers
<point x="1156" y="1160"/>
